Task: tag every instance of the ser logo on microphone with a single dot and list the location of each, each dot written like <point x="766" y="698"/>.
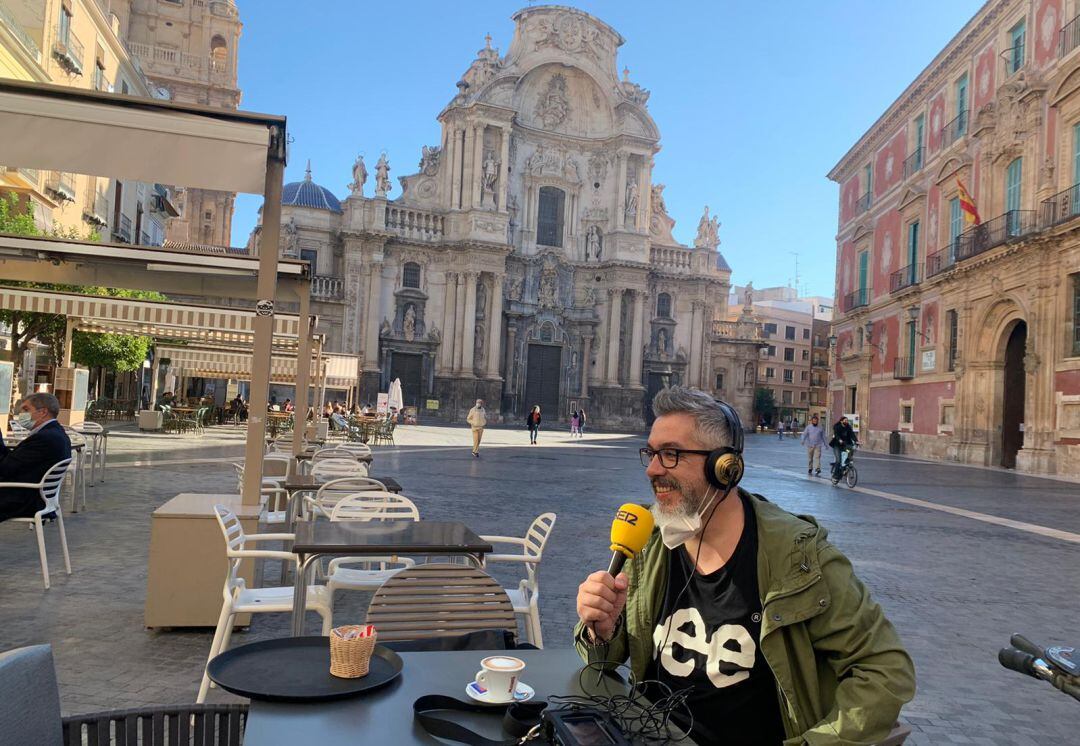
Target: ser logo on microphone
<point x="627" y="516"/>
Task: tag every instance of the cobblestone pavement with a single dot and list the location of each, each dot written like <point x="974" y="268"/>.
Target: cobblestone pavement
<point x="954" y="585"/>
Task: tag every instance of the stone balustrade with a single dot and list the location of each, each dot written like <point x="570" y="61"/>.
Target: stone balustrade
<point x="731" y="330"/>
<point x="418" y="224"/>
<point x="671" y="259"/>
<point x="323" y="286"/>
<point x="165" y="56"/>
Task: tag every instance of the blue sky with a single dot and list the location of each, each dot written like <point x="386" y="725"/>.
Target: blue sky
<point x="755" y="102"/>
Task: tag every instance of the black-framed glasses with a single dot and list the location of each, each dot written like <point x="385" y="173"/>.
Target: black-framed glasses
<point x="669" y="457"/>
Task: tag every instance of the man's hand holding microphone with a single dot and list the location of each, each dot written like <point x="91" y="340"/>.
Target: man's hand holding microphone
<point x="602" y="597"/>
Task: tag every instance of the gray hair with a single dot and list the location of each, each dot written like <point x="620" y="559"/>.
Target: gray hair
<point x="711" y="425"/>
<point x="44" y="401"/>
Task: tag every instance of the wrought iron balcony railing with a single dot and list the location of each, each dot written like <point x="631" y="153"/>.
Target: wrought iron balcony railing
<point x="903" y="368"/>
<point x="1011" y="226"/>
<point x="61" y="185"/>
<point x="68" y="50"/>
<point x="904" y="277"/>
<point x="954" y="130"/>
<point x="1070" y="37"/>
<point x="857" y="299"/>
<point x="96" y="210"/>
<point x="913" y="163"/>
<point x="1062" y="207"/>
<point x="940" y="261"/>
<point x="862" y="204"/>
<point x="122" y="231"/>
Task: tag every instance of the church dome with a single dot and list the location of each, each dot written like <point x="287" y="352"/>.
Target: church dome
<point x="307" y="193"/>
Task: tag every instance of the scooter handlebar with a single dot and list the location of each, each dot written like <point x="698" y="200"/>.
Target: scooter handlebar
<point x="1017" y="660"/>
<point x="1023" y="644"/>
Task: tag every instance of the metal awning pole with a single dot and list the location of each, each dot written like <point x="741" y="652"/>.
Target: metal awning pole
<point x="264" y="319"/>
<point x="303" y="366"/>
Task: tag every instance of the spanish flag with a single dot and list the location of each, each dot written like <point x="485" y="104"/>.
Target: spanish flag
<point x="967" y="204"/>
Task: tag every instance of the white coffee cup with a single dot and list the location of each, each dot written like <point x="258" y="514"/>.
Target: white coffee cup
<point x="500" y="676"/>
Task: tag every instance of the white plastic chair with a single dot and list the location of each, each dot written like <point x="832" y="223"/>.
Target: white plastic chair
<point x="333" y="452"/>
<point x="275" y="498"/>
<point x="49" y="489"/>
<point x="368" y="573"/>
<point x="356" y="449"/>
<point x="526" y="597"/>
<point x="335" y="468"/>
<point x="277" y="466"/>
<point x="239" y="599"/>
<point x="328" y="495"/>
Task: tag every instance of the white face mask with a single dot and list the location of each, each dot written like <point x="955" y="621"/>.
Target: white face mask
<point x="25" y="419"/>
<point x="678" y="528"/>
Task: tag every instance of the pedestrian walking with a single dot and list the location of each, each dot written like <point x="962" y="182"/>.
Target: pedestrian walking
<point x="581" y="422"/>
<point x="780" y="429"/>
<point x="842" y="443"/>
<point x="533" y="423"/>
<point x="575" y="424"/>
<point x="813" y="438"/>
<point x="477" y="419"/>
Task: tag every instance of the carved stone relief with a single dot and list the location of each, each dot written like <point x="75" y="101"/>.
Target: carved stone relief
<point x="553" y="105"/>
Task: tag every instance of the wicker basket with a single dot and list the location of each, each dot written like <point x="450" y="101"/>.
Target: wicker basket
<point x="349" y="659"/>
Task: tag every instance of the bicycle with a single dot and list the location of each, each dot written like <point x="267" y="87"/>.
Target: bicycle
<point x="1056" y="664"/>
<point x="847" y="470"/>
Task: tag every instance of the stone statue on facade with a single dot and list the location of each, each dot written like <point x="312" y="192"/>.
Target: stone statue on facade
<point x="631" y="198"/>
<point x="590" y="296"/>
<point x="548" y="290"/>
<point x="359" y="175"/>
<point x="290" y="239"/>
<point x="748" y="297"/>
<point x="661" y="342"/>
<point x="481" y="300"/>
<point x="409" y="324"/>
<point x="553" y="106"/>
<point x="491" y="174"/>
<point x="708" y="232"/>
<point x="478" y="346"/>
<point x="656" y="199"/>
<point x="384" y="328"/>
<point x="382" y="176"/>
<point x="593" y="243"/>
<point x="429" y="159"/>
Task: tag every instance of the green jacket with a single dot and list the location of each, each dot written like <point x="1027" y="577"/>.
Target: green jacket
<point x="841" y="672"/>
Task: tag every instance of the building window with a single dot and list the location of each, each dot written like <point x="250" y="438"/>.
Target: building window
<point x="410" y="275"/>
<point x="719" y="381"/>
<point x="920" y="127"/>
<point x="1015" y="59"/>
<point x="789" y="354"/>
<point x="912" y="252"/>
<point x="806" y="334"/>
<point x="663" y="306"/>
<point x="789" y="332"/>
<point x="962" y="105"/>
<point x="805" y="355"/>
<point x="785" y="397"/>
<point x="868" y="181"/>
<point x="956" y="226"/>
<point x="311" y="256"/>
<point x="63" y="30"/>
<point x="770" y="373"/>
<point x="817" y="340"/>
<point x="864" y="277"/>
<point x="1075" y="314"/>
<point x="905" y="414"/>
<point x="802" y="396"/>
<point x="805" y="376"/>
<point x="218" y="53"/>
<point x="1013" y="175"/>
<point x="789" y="375"/>
<point x="772" y="351"/>
<point x="951" y="325"/>
<point x="549" y="219"/>
<point x="770" y="329"/>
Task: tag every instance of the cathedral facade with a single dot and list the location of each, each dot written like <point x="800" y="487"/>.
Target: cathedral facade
<point x="530" y="259"/>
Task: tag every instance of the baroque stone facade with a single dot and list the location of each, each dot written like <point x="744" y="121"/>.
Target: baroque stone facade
<point x="530" y="258"/>
<point x="964" y="337"/>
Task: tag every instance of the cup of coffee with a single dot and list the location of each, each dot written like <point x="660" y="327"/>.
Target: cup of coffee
<point x="499" y="675"/>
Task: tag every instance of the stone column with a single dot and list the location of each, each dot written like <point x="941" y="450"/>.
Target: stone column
<point x="586" y="362"/>
<point x="371" y="334"/>
<point x="449" y="165"/>
<point x="614" y="308"/>
<point x="504" y="171"/>
<point x="495" y="327"/>
<point x="449" y="338"/>
<point x="477" y="164"/>
<point x="459" y="326"/>
<point x="466" y="182"/>
<point x="635" y="350"/>
<point x="508" y="364"/>
<point x="469" y="336"/>
<point x="694" y="369"/>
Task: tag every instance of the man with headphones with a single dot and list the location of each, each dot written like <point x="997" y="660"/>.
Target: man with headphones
<point x="746" y="606"/>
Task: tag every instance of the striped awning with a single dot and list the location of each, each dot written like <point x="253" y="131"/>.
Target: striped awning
<point x="158" y="319"/>
<point x="342" y="371"/>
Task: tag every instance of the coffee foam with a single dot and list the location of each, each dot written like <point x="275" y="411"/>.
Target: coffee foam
<point x="502" y="663"/>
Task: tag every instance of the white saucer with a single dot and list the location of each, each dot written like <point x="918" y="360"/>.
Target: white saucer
<point x="523" y="693"/>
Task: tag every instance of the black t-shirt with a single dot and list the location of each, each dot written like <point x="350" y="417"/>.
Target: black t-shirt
<point x="712" y="648"/>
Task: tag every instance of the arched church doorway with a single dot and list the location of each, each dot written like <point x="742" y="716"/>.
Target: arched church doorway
<point x="542" y="375"/>
<point x="1012" y="400"/>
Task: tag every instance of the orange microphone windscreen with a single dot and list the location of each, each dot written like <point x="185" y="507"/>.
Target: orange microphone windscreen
<point x="631" y="529"/>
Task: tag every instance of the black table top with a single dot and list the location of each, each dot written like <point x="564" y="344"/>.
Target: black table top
<point x="366" y="458"/>
<point x="387" y="537"/>
<point x="309" y="482"/>
<point x="385" y="716"/>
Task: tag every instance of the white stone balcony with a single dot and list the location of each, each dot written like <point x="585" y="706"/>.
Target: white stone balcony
<point x="150" y="54"/>
<point x="420" y="225"/>
<point x="327" y="288"/>
<point x="672" y="259"/>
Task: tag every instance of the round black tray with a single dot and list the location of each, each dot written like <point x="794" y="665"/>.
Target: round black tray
<point x="296" y="669"/>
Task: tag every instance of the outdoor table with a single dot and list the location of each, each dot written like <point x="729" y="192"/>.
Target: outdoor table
<point x="385" y="716"/>
<point x="317" y="539"/>
<point x="184" y="410"/>
<point x="98" y="448"/>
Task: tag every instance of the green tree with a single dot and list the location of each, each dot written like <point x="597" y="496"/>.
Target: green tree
<point x="764" y="403"/>
<point x="120" y="352"/>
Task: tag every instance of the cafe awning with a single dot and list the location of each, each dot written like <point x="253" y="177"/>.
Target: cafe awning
<point x="341" y="370"/>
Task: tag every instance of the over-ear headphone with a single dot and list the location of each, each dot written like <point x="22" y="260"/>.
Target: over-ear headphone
<point x="724" y="467"/>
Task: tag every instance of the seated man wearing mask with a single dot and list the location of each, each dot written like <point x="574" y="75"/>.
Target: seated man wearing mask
<point x="28" y="461"/>
<point x="747" y="606"/>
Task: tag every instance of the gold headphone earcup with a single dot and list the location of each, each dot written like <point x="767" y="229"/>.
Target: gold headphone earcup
<point x="728" y="470"/>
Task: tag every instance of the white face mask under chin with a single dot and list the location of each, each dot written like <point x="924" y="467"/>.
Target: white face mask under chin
<point x="677" y="529"/>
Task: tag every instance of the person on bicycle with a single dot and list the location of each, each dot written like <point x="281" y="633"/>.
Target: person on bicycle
<point x="843" y="444"/>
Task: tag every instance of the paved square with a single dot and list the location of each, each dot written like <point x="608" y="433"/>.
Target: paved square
<point x="955" y="586"/>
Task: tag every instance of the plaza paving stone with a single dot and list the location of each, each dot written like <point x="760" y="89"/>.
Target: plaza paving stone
<point x="954" y="587"/>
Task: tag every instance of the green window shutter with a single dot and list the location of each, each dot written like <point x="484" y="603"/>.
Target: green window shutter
<point x="1012" y="185"/>
<point x="1016" y="55"/>
<point x="956" y="219"/>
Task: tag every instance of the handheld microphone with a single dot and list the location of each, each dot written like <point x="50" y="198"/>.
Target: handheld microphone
<point x="630" y="533"/>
